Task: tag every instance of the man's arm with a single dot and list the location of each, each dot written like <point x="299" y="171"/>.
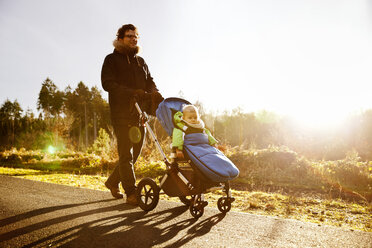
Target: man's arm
<point x="150" y="84"/>
<point x="109" y="81"/>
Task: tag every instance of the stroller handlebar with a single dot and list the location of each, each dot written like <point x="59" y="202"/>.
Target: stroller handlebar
<point x="144" y="118"/>
<point x="143" y="115"/>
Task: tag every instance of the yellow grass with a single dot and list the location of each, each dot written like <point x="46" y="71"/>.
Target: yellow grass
<point x="336" y="212"/>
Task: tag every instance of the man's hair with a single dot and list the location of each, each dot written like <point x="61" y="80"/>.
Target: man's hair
<point x="121" y="32"/>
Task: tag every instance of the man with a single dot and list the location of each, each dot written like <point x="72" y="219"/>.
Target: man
<point x="126" y="78"/>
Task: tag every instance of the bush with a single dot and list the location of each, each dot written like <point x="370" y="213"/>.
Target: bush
<point x="275" y="167"/>
<point x="151" y="169"/>
<point x="12" y="158"/>
<point x="278" y="166"/>
<point x="349" y="173"/>
<point x="75" y="163"/>
<point x="263" y="163"/>
<point x="102" y="146"/>
<point x="40" y="140"/>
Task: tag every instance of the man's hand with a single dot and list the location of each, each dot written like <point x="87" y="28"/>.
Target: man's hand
<point x="156" y="96"/>
<point x="156" y="99"/>
<point x="139" y="93"/>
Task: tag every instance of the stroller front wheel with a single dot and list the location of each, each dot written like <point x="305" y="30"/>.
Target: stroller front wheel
<point x="147" y="194"/>
<point x="224" y="204"/>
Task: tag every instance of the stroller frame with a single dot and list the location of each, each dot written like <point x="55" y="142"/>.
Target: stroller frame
<point x="188" y="185"/>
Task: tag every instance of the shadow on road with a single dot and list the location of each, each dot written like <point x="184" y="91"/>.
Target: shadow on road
<point x="41" y="211"/>
<point x="97" y="227"/>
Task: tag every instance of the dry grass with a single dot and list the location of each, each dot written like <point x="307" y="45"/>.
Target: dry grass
<point x="311" y="208"/>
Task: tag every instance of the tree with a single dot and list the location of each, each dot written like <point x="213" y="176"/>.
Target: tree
<point x="90" y="112"/>
<point x="100" y="109"/>
<point x="50" y="99"/>
<point x="10" y="116"/>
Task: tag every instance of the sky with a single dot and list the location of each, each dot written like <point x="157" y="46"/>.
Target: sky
<point x="309" y="59"/>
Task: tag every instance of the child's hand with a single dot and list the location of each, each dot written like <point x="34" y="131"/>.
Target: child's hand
<point x="222" y="148"/>
<point x="179" y="154"/>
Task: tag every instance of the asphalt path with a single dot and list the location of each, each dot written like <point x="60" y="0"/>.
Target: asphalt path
<point x="37" y="214"/>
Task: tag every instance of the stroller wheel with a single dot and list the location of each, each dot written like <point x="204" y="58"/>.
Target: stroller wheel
<point x="147" y="194"/>
<point x="197" y="207"/>
<point x="185" y="200"/>
<point x="224" y="204"/>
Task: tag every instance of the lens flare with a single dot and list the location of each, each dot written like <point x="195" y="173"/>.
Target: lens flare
<point x="51" y="149"/>
<point x="135" y="134"/>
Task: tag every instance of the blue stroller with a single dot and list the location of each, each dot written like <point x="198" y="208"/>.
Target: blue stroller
<point x="203" y="169"/>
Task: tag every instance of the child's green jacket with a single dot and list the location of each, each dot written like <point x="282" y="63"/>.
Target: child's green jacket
<point x="182" y="128"/>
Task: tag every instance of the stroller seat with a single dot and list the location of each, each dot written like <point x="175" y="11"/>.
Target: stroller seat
<point x="208" y="159"/>
<point x="207" y="168"/>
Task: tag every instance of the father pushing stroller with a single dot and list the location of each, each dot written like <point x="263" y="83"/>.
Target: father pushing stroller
<point x="126" y="77"/>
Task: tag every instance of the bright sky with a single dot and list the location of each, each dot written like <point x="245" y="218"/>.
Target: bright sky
<point x="308" y="58"/>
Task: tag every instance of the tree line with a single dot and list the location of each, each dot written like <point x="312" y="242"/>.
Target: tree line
<point x="263" y="129"/>
<point x="71" y="118"/>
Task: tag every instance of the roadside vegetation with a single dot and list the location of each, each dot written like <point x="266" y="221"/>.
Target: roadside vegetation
<point x="288" y="170"/>
<point x="273" y="181"/>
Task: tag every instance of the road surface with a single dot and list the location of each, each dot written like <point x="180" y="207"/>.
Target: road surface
<point x="37" y="214"/>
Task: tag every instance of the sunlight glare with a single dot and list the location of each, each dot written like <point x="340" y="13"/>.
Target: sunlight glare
<point x="319" y="116"/>
<point x="51" y="149"/>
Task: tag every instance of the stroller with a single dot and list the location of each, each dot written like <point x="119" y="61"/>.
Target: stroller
<point x="190" y="177"/>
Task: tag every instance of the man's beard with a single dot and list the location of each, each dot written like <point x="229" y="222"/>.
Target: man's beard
<point x="122" y="48"/>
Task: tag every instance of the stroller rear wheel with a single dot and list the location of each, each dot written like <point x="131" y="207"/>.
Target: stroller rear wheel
<point x="147" y="194"/>
<point x="197" y="205"/>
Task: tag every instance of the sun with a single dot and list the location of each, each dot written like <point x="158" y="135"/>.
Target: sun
<point x="318" y="115"/>
<point x="51" y="149"/>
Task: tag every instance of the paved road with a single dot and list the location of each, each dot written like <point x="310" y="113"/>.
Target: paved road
<point x="37" y="214"/>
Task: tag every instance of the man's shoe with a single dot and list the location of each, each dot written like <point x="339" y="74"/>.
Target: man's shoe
<point x="115" y="191"/>
<point x="132" y="200"/>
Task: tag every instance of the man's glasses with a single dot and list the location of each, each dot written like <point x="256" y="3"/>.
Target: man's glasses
<point x="132" y="36"/>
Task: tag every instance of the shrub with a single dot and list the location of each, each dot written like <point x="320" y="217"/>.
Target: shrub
<point x="101" y="145"/>
<point x="12" y="158"/>
<point x="75" y="163"/>
<point x="151" y="169"/>
<point x="348" y="173"/>
<point x="39" y="140"/>
<point x="274" y="167"/>
<point x="266" y="162"/>
<point x="107" y="165"/>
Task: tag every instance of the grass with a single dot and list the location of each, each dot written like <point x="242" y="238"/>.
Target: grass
<point x="305" y="207"/>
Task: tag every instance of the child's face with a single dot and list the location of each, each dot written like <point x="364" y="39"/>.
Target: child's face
<point x="191" y="117"/>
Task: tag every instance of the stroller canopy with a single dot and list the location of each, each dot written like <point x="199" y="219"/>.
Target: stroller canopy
<point x="166" y="111"/>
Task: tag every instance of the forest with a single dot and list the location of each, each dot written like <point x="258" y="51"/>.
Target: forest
<point x="71" y="119"/>
<point x="270" y="151"/>
<point x="289" y="170"/>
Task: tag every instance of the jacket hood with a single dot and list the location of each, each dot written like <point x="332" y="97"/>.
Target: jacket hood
<point x="178" y="118"/>
<point x="121" y="48"/>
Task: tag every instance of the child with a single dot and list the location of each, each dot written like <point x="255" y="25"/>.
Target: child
<point x="185" y="123"/>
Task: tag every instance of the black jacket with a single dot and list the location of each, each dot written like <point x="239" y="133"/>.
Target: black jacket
<point x="121" y="75"/>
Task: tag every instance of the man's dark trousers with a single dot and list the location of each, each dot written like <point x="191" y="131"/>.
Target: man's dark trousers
<point x="128" y="154"/>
